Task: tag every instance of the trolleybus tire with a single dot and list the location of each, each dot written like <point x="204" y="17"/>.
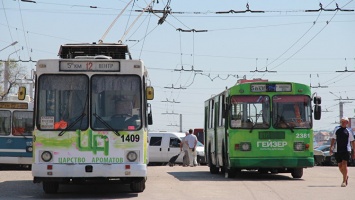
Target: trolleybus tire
<point x="138" y="186"/>
<point x="50" y="187"/>
<point x="213" y="168"/>
<point x="297" y="172"/>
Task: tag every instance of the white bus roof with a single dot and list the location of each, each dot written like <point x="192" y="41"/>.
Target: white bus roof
<point x="114" y="50"/>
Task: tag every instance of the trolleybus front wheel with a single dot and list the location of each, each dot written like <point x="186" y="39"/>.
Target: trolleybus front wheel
<point x="50" y="187"/>
<point x="297" y="172"/>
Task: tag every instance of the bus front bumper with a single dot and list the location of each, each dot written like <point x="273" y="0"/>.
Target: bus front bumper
<point x="43" y="172"/>
<point x="272" y="162"/>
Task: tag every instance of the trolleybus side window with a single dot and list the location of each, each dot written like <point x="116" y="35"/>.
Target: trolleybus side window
<point x="116" y="102"/>
<point x="63" y="102"/>
<point x="22" y="123"/>
<point x="5" y="122"/>
<point x="292" y="111"/>
<point x="220" y="110"/>
<point x="250" y="112"/>
<point x="211" y="114"/>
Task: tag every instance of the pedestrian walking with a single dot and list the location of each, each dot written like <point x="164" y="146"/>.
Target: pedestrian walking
<point x="341" y="143"/>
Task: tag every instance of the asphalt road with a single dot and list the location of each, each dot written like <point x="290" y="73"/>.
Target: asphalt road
<point x="164" y="182"/>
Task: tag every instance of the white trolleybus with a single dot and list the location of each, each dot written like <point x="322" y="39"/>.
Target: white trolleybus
<point x="91" y="117"/>
<point x="16" y="126"/>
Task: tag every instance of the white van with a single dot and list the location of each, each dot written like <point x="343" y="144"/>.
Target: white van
<point x="164" y="145"/>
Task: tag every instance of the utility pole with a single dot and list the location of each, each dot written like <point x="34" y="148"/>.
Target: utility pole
<point x="180" y="122"/>
<point x="341" y="104"/>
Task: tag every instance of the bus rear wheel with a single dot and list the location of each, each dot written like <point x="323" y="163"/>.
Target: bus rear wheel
<point x="297" y="172"/>
<point x="213" y="168"/>
<point x="138" y="186"/>
<point x="50" y="187"/>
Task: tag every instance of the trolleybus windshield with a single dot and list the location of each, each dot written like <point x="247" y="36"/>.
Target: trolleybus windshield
<point x="292" y="111"/>
<point x="5" y="120"/>
<point x="22" y="123"/>
<point x="250" y="111"/>
<point x="116" y="102"/>
<point x="62" y="100"/>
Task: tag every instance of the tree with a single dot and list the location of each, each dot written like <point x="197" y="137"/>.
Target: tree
<point x="15" y="72"/>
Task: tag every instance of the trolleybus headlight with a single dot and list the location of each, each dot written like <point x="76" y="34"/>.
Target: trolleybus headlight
<point x="298" y="146"/>
<point x="46" y="156"/>
<point x="29" y="149"/>
<point x="245" y="146"/>
<point x="132" y="156"/>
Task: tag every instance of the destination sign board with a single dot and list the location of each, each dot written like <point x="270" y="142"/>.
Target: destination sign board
<point x="284" y="87"/>
<point x="89" y="66"/>
<point x="13" y="105"/>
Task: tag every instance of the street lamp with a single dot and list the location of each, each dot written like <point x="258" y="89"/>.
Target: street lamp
<point x="6" y="71"/>
<point x="12" y="44"/>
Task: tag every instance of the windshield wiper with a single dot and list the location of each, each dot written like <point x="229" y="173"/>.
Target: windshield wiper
<point x="288" y="126"/>
<point x="256" y="121"/>
<point x="281" y="119"/>
<point x="106" y="124"/>
<point x="72" y="124"/>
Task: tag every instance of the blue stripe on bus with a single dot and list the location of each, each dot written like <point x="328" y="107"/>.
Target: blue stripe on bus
<point x="15" y="147"/>
<point x="15" y="154"/>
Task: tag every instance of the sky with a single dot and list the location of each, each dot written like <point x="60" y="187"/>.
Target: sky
<point x="201" y="47"/>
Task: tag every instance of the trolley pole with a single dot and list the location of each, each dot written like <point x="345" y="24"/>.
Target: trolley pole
<point x="180" y="122"/>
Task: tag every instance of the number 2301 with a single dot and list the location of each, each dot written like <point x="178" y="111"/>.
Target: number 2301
<point x="130" y="138"/>
<point x="302" y="135"/>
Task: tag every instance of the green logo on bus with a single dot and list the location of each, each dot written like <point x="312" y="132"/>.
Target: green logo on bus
<point x="92" y="142"/>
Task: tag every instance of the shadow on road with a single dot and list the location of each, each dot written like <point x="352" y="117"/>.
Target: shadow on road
<point x="27" y="189"/>
<point x="243" y="176"/>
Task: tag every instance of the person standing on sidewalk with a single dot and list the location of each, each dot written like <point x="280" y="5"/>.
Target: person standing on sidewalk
<point x="340" y="145"/>
<point x="185" y="147"/>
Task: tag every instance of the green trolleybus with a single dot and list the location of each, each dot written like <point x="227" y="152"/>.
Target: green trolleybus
<point x="91" y="117"/>
<point x="261" y="125"/>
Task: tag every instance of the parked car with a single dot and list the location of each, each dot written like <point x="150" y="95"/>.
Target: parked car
<point x="165" y="145"/>
<point x="318" y="157"/>
<point x="329" y="159"/>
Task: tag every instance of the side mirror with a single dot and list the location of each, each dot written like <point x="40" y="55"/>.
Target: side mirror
<point x="21" y="94"/>
<point x="317" y="100"/>
<point x="150" y="93"/>
<point x="317" y="112"/>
